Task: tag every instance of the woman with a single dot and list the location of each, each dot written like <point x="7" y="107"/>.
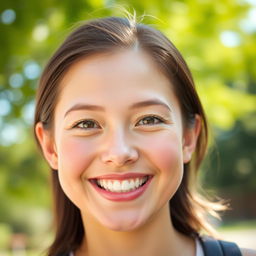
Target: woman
<point x="120" y="123"/>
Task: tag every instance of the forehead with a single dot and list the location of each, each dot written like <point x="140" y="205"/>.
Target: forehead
<point x="123" y="76"/>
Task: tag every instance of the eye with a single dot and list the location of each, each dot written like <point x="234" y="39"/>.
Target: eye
<point x="150" y="120"/>
<point x="86" y="124"/>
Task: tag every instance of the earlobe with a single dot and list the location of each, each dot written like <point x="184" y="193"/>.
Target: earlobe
<point x="190" y="139"/>
<point x="47" y="145"/>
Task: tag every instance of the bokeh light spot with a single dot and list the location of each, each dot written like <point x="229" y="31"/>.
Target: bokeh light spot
<point x="32" y="70"/>
<point x="230" y="38"/>
<point x="248" y="24"/>
<point x="11" y="134"/>
<point x="40" y="32"/>
<point x="28" y="112"/>
<point x="5" y="107"/>
<point x="8" y="16"/>
<point x="16" y="80"/>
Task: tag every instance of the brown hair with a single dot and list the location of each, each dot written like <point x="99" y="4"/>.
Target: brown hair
<point x="188" y="209"/>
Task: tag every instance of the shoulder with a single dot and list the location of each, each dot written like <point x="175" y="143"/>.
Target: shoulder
<point x="248" y="252"/>
<point x="212" y="246"/>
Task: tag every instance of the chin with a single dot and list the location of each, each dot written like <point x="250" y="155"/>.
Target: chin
<point x="122" y="228"/>
<point x="124" y="225"/>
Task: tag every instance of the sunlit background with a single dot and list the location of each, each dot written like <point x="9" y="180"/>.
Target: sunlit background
<point x="218" y="40"/>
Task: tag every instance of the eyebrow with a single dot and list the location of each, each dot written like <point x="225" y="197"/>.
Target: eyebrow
<point x="151" y="102"/>
<point x="81" y="106"/>
<point x="141" y="104"/>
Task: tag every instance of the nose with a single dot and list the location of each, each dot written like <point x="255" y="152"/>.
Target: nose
<point x="118" y="150"/>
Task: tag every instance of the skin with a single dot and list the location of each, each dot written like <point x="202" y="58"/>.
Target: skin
<point x="121" y="140"/>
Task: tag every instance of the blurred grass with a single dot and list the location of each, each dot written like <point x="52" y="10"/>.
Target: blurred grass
<point x="238" y="225"/>
<point x="28" y="253"/>
<point x="242" y="232"/>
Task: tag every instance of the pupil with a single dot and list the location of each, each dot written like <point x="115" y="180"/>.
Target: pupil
<point x="148" y="120"/>
<point x="88" y="124"/>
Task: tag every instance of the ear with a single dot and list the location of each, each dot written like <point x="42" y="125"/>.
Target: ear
<point x="190" y="137"/>
<point x="47" y="144"/>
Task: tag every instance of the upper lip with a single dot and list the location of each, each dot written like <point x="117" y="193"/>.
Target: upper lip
<point x="122" y="176"/>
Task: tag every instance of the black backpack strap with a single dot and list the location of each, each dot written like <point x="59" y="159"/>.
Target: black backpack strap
<point x="213" y="247"/>
<point x="230" y="248"/>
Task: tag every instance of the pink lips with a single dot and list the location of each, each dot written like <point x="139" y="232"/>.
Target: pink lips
<point x="121" y="196"/>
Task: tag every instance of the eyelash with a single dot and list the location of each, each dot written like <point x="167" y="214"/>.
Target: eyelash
<point x="159" y="119"/>
<point x="76" y="125"/>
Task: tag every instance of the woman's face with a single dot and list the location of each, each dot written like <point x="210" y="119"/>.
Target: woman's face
<point x="118" y="140"/>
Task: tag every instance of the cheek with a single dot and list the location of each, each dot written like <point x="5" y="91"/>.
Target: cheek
<point x="74" y="155"/>
<point x="165" y="155"/>
<point x="165" y="151"/>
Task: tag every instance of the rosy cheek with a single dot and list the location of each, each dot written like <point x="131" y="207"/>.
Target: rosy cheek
<point x="166" y="151"/>
<point x="75" y="155"/>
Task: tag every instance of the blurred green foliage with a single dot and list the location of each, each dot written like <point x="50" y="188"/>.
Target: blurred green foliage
<point x="217" y="38"/>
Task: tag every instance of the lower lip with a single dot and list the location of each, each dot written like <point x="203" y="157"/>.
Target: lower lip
<point x="124" y="196"/>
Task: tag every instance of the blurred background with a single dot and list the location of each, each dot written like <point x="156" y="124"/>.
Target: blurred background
<point x="218" y="41"/>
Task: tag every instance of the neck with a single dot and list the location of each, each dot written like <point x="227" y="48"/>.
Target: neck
<point x="157" y="237"/>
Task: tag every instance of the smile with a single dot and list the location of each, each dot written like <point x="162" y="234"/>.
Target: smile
<point x="120" y="188"/>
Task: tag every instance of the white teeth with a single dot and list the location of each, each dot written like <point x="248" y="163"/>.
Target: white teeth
<point x="104" y="184"/>
<point x="121" y="186"/>
<point x="132" y="184"/>
<point x="125" y="185"/>
<point x="137" y="183"/>
<point x="109" y="186"/>
<point x="117" y="186"/>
